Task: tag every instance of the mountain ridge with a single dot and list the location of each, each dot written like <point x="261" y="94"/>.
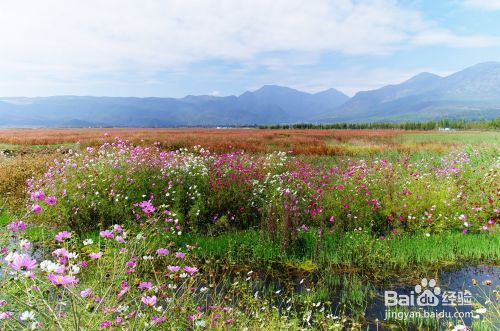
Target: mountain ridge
<point x="470" y="93"/>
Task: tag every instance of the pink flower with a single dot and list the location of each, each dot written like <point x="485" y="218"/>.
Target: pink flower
<point x="105" y="324"/>
<point x="149" y="300"/>
<point x="173" y="268"/>
<point x="36" y="208"/>
<point x="106" y="234"/>
<point x="147" y="207"/>
<point x="191" y="270"/>
<point x="38" y="195"/>
<point x="6" y="314"/>
<point x="16" y="226"/>
<point x="162" y="251"/>
<point x="86" y="293"/>
<point x="145" y="285"/>
<point x="117" y="228"/>
<point x="22" y="262"/>
<point x="95" y="256"/>
<point x="180" y="255"/>
<point x="62" y="235"/>
<point x="62" y="280"/>
<point x="51" y="200"/>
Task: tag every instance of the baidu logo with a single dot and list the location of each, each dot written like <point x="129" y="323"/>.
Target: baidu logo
<point x="426" y="294"/>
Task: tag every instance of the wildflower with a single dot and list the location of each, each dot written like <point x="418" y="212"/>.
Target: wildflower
<point x="147" y="207"/>
<point x="117" y="228"/>
<point x="16" y="226"/>
<point x="6" y="314"/>
<point x="180" y="255"/>
<point x="38" y="195"/>
<point x="87" y="242"/>
<point x="22" y="262"/>
<point x="105" y="324"/>
<point x="106" y="234"/>
<point x="86" y="293"/>
<point x="27" y="315"/>
<point x="96" y="256"/>
<point x="481" y="311"/>
<point x="162" y="251"/>
<point x="36" y="208"/>
<point x="190" y="270"/>
<point x="173" y="268"/>
<point x="145" y="286"/>
<point x="24" y="244"/>
<point x="62" y="235"/>
<point x="62" y="280"/>
<point x="149" y="300"/>
<point x="51" y="200"/>
<point x="51" y="267"/>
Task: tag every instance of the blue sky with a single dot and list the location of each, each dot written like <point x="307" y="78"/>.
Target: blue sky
<point x="224" y="47"/>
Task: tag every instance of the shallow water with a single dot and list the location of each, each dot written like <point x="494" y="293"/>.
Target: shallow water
<point x="455" y="280"/>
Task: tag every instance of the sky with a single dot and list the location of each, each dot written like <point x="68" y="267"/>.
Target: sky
<point x="224" y="47"/>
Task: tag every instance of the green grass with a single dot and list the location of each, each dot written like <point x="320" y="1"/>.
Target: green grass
<point x="455" y="137"/>
<point x="410" y="255"/>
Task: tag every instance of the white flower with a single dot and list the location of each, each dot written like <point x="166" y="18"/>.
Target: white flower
<point x="427" y="234"/>
<point x="72" y="255"/>
<point x="200" y="323"/>
<point x="27" y="315"/>
<point x="481" y="310"/>
<point x="87" y="242"/>
<point x="49" y="266"/>
<point x="459" y="327"/>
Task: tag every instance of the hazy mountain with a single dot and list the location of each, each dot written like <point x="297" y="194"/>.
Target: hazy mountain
<point x="471" y="93"/>
<point x="269" y="104"/>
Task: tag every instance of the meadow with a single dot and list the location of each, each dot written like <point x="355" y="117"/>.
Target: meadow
<point x="233" y="229"/>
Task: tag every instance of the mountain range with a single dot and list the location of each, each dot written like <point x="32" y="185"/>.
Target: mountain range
<point x="473" y="93"/>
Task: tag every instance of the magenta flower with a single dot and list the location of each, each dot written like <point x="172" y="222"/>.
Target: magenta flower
<point x="117" y="228"/>
<point x="106" y="234"/>
<point x="191" y="270"/>
<point x="147" y="207"/>
<point x="180" y="255"/>
<point x="173" y="268"/>
<point x="149" y="300"/>
<point x="38" y="195"/>
<point x="36" y="208"/>
<point x="105" y="324"/>
<point x="162" y="251"/>
<point x="86" y="293"/>
<point x="62" y="235"/>
<point x="22" y="262"/>
<point x="16" y="226"/>
<point x="62" y="280"/>
<point x="145" y="286"/>
<point x="51" y="200"/>
<point x="95" y="256"/>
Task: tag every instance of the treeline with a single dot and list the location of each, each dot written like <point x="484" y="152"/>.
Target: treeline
<point x="493" y="124"/>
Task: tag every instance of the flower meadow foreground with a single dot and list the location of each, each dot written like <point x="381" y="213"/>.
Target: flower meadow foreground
<point x="118" y="237"/>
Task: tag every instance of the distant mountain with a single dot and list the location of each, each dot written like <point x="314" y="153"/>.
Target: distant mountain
<point x="473" y="93"/>
<point x="267" y="105"/>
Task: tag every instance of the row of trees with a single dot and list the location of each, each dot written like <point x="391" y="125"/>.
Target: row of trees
<point x="492" y="124"/>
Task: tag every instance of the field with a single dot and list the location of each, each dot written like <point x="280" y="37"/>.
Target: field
<point x="256" y="229"/>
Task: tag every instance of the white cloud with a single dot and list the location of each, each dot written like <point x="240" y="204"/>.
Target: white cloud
<point x="483" y="4"/>
<point x="70" y="42"/>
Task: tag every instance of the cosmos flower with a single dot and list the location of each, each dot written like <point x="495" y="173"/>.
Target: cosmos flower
<point x="22" y="262"/>
<point x="191" y="270"/>
<point x="149" y="300"/>
<point x="62" y="235"/>
<point x="36" y="208"/>
<point x="95" y="256"/>
<point x="162" y="251"/>
<point x="16" y="226"/>
<point x="51" y="200"/>
<point x="62" y="280"/>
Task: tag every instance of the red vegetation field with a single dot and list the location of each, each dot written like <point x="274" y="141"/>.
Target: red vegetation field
<point x="318" y="142"/>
